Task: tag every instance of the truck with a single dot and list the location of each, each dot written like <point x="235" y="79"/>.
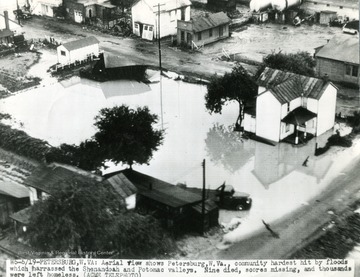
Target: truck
<point x="227" y="198"/>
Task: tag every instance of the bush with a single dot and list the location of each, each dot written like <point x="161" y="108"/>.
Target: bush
<point x="21" y="143"/>
<point x="337" y="140"/>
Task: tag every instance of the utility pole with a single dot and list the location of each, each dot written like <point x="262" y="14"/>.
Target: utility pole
<point x="160" y="67"/>
<point x="203" y="198"/>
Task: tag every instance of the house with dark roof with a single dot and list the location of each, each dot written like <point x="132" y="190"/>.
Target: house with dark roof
<point x="177" y="208"/>
<point x="291" y="107"/>
<point x="145" y="15"/>
<point x="78" y="50"/>
<point x="339" y="59"/>
<point x="203" y="30"/>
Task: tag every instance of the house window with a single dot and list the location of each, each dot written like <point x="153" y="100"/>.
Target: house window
<point x="199" y="36"/>
<point x="327" y="5"/>
<point x="182" y="14"/>
<point x="136" y="26"/>
<point x="352" y="70"/>
<point x="62" y="53"/>
<point x="150" y="28"/>
<point x="221" y="31"/>
<point x="173" y="15"/>
<point x="341" y="7"/>
<point x="210" y="33"/>
<point x="145" y="28"/>
<point x="182" y="35"/>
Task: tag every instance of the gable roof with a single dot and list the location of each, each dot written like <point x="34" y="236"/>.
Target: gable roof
<point x="165" y="5"/>
<point x="77" y="44"/>
<point x="49" y="178"/>
<point x="344" y="48"/>
<point x="160" y="191"/>
<point x="210" y="21"/>
<point x="287" y="86"/>
<point x="122" y="186"/>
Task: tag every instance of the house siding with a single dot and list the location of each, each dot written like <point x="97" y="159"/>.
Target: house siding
<point x="77" y="54"/>
<point x="326" y="110"/>
<point x="268" y="116"/>
<point x="72" y="8"/>
<point x="347" y="9"/>
<point x="336" y="70"/>
<point x="45" y="7"/>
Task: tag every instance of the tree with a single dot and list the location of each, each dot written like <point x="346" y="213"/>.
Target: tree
<point x="301" y="63"/>
<point x="122" y="3"/>
<point x="127" y="135"/>
<point x="235" y="86"/>
<point x="74" y="218"/>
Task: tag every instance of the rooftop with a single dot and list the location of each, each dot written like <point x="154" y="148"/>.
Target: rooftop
<point x="344" y="48"/>
<point x="77" y="44"/>
<point x="158" y="190"/>
<point x="287" y="86"/>
<point x="210" y="21"/>
<point x="122" y="186"/>
<point x="165" y="5"/>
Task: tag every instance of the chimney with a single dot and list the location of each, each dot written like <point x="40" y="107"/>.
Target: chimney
<point x="6" y="16"/>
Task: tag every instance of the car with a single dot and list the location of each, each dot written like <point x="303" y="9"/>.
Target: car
<point x="20" y="14"/>
<point x="351" y="27"/>
<point x="228" y="198"/>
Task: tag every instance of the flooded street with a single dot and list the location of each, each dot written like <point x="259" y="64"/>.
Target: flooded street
<point x="273" y="175"/>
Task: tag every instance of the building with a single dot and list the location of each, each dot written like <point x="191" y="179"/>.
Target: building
<point x="203" y="30"/>
<point x="95" y="12"/>
<point x="291" y="107"/>
<point x="177" y="208"/>
<point x="44" y="7"/>
<point x="345" y="9"/>
<point x="145" y="17"/>
<point x="339" y="59"/>
<point x="78" y="50"/>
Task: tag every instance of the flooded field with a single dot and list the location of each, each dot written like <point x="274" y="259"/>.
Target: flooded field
<point x="273" y="175"/>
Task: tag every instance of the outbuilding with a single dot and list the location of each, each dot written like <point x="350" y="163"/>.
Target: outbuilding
<point x="203" y="30"/>
<point x="78" y="50"/>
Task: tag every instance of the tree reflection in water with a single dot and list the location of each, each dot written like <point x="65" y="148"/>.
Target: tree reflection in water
<point x="227" y="148"/>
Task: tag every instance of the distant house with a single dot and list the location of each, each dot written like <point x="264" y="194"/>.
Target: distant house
<point x="78" y="50"/>
<point x="203" y="30"/>
<point x="339" y="59"/>
<point x="177" y="208"/>
<point x="145" y="17"/>
<point x="45" y="7"/>
<point x="95" y="12"/>
<point x="291" y="107"/>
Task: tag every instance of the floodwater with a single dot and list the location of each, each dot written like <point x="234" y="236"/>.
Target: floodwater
<point x="273" y="175"/>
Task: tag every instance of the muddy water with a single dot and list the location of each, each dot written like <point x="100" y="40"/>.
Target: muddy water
<point x="273" y="175"/>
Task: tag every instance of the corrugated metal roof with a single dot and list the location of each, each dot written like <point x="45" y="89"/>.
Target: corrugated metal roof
<point x="344" y="48"/>
<point x="210" y="21"/>
<point x="77" y="44"/>
<point x="121" y="185"/>
<point x="162" y="192"/>
<point x="48" y="179"/>
<point x="287" y="86"/>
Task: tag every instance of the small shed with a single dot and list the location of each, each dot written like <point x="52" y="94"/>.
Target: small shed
<point x="124" y="189"/>
<point x="211" y="218"/>
<point x="203" y="30"/>
<point x="326" y="17"/>
<point x="78" y="50"/>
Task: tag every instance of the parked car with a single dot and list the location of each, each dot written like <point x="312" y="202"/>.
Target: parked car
<point x="228" y="198"/>
<point x="351" y="27"/>
<point x="20" y="14"/>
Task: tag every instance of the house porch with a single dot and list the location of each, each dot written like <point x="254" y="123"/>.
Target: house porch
<point x="303" y="138"/>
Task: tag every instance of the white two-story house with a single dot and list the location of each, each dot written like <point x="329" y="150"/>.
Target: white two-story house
<point x="145" y="17"/>
<point x="291" y="106"/>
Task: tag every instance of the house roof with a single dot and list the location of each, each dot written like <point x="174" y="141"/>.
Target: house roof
<point x="344" y="48"/>
<point x="49" y="178"/>
<point x="160" y="191"/>
<point x="298" y="116"/>
<point x="165" y="5"/>
<point x="210" y="21"/>
<point x="77" y="44"/>
<point x="112" y="61"/>
<point x="209" y="206"/>
<point x="103" y="3"/>
<point x="122" y="186"/>
<point x="12" y="189"/>
<point x="287" y="86"/>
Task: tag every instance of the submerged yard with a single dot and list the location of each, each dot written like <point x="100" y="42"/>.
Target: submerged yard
<point x="273" y="175"/>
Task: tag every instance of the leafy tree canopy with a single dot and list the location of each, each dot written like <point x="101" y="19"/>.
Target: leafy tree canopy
<point x="126" y="135"/>
<point x="235" y="86"/>
<point x="73" y="217"/>
<point x="300" y="63"/>
<point x="123" y="4"/>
